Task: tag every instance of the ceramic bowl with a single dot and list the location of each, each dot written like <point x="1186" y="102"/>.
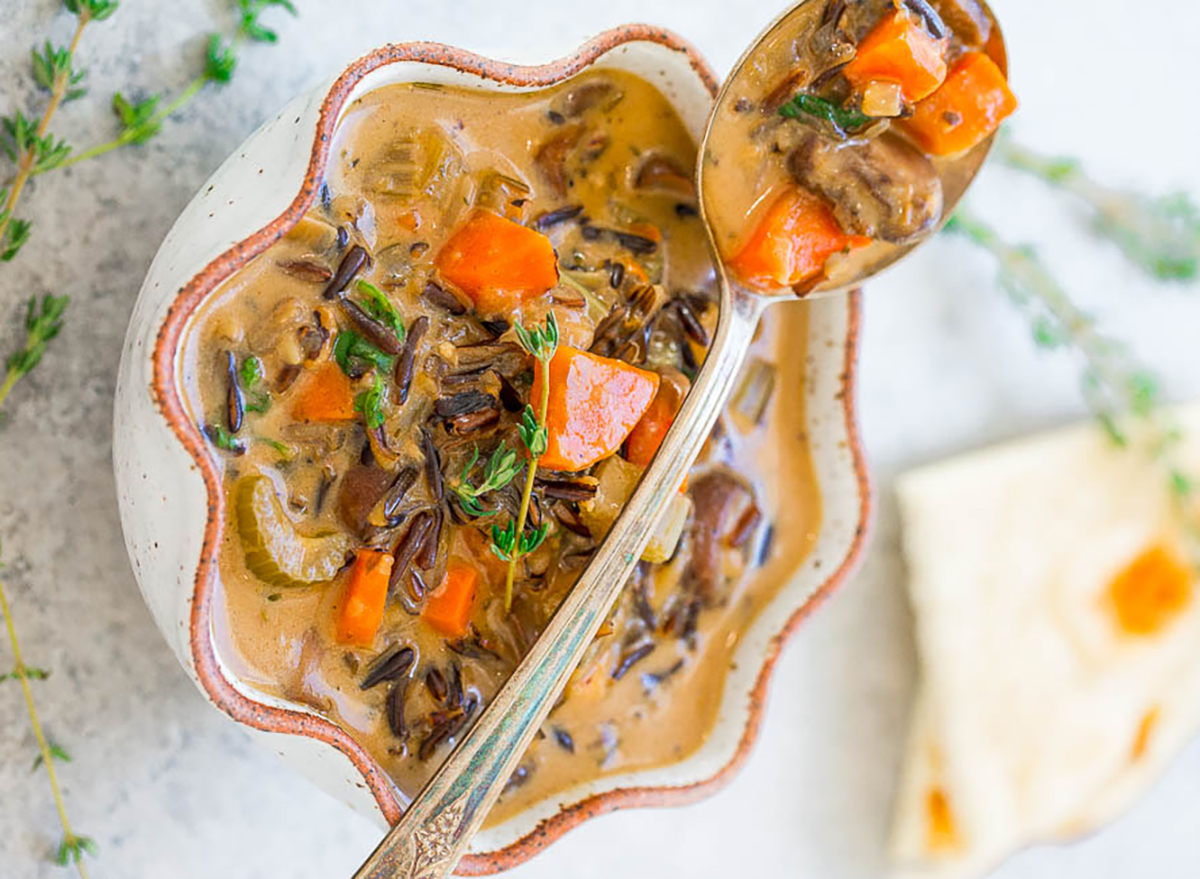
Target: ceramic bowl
<point x="169" y="487"/>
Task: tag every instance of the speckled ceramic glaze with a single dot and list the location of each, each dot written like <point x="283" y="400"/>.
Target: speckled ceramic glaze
<point x="169" y="487"/>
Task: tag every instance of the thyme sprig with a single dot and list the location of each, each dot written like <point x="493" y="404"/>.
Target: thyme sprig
<point x="141" y="120"/>
<point x="31" y="146"/>
<point x="511" y="543"/>
<point x="73" y="845"/>
<point x="34" y="150"/>
<point x="498" y="471"/>
<point x="1159" y="234"/>
<point x="43" y="321"/>
<point x="1121" y="392"/>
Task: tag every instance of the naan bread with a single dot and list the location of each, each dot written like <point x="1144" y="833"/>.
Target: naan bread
<point x="1059" y="632"/>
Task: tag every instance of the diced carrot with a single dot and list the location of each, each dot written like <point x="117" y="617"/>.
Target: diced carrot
<point x="325" y="394"/>
<point x="968" y="107"/>
<point x="594" y="404"/>
<point x="792" y="242"/>
<point x="497" y="263"/>
<point x="899" y="49"/>
<point x="409" y="220"/>
<point x="366" y="596"/>
<point x="647" y="435"/>
<point x="449" y="606"/>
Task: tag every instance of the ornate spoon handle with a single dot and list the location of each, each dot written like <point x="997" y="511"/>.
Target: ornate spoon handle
<point x="439" y="824"/>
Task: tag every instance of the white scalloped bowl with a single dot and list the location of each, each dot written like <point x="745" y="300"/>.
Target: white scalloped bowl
<point x="169" y="489"/>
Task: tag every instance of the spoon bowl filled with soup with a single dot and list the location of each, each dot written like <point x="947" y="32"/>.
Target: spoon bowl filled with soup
<point x="846" y="135"/>
<point x="320" y="420"/>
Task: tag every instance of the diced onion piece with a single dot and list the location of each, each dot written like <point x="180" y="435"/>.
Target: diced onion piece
<point x="882" y="98"/>
<point x="617" y="478"/>
<point x="314" y="233"/>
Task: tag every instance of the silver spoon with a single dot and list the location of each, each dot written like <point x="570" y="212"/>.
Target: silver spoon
<point x="438" y="825"/>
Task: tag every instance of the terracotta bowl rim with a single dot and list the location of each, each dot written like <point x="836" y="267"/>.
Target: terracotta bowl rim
<point x="273" y="719"/>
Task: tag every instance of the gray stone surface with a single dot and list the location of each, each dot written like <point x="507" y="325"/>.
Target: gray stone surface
<point x="169" y="788"/>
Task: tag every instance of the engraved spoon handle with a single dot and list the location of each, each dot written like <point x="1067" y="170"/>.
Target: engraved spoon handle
<point x="437" y="827"/>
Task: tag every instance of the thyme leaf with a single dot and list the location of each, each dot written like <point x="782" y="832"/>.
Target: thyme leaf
<point x="57" y="752"/>
<point x="138" y="124"/>
<point x="498" y="471"/>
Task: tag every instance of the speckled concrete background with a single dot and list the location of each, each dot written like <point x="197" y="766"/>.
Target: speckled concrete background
<point x="169" y="788"/>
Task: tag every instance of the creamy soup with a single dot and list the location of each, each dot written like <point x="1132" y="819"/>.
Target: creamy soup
<point x="487" y="279"/>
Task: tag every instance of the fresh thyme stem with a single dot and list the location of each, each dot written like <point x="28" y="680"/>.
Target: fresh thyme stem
<point x="72" y="842"/>
<point x="1028" y="281"/>
<point x="1161" y="235"/>
<point x="27" y="162"/>
<point x="1114" y="384"/>
<point x="10" y="378"/>
<point x="130" y="135"/>
<point x="527" y="494"/>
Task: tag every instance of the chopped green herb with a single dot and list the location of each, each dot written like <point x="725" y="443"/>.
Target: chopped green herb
<point x="223" y="439"/>
<point x="261" y="403"/>
<point x="380" y="307"/>
<point x="252" y="371"/>
<point x="804" y="107"/>
<point x="283" y="449"/>
<point x="370" y="403"/>
<point x="350" y="347"/>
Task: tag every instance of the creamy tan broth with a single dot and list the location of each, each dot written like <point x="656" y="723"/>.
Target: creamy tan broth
<point x="413" y="165"/>
<point x="883" y="188"/>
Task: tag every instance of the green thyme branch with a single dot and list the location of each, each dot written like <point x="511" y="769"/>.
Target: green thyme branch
<point x="512" y="543"/>
<point x="142" y="120"/>
<point x="42" y="323"/>
<point x="32" y="148"/>
<point x="73" y="845"/>
<point x="1116" y="387"/>
<point x="1161" y="235"/>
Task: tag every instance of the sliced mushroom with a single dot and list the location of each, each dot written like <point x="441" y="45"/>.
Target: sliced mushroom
<point x="882" y="188"/>
<point x="578" y="100"/>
